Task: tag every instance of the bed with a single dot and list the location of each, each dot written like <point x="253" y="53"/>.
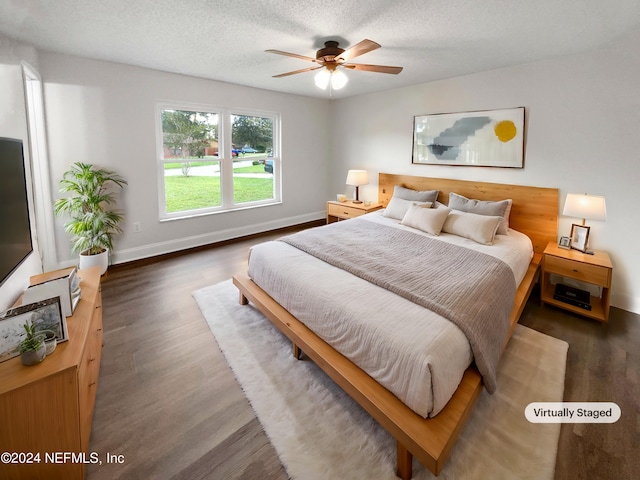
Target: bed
<point x="427" y="431"/>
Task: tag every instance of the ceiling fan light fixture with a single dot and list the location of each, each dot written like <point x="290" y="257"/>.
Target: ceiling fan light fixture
<point x="338" y="79"/>
<point x="331" y="57"/>
<point x="322" y="78"/>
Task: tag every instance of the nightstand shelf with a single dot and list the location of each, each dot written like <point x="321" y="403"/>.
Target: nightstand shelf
<point x="593" y="269"/>
<point x="337" y="211"/>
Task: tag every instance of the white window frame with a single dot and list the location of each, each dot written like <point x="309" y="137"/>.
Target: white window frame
<point x="38" y="169"/>
<point x="224" y="158"/>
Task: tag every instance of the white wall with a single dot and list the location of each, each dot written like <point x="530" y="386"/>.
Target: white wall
<point x="582" y="115"/>
<point x="582" y="123"/>
<point x="13" y="124"/>
<point x="104" y="113"/>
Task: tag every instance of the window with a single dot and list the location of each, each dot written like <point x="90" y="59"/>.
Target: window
<point x="252" y="139"/>
<point x="39" y="167"/>
<point x="213" y="161"/>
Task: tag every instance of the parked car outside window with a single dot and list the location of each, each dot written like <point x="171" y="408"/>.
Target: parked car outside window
<point x="268" y="165"/>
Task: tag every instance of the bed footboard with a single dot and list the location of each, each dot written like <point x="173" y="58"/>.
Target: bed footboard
<point x="429" y="440"/>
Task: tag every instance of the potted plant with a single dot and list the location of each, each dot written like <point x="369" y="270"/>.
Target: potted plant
<point x="32" y="347"/>
<point x="50" y="341"/>
<point x="92" y="224"/>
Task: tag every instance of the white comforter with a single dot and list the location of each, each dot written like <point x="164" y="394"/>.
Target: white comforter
<point x="413" y="352"/>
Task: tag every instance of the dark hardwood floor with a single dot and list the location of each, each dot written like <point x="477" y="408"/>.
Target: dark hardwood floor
<point x="169" y="404"/>
<point x="603" y="365"/>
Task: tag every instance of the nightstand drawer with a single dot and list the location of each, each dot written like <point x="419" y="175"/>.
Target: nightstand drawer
<point x="343" y="211"/>
<point x="578" y="270"/>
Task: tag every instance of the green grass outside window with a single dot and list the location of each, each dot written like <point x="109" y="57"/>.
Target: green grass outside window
<point x="193" y="192"/>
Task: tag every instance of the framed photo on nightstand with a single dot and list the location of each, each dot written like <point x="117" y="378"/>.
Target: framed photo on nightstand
<point x="579" y="237"/>
<point x="565" y="242"/>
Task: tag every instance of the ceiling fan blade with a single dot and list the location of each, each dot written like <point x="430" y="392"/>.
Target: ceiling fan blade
<point x="297" y="71"/>
<point x="373" y="68"/>
<point x="365" y="46"/>
<point x="294" y="55"/>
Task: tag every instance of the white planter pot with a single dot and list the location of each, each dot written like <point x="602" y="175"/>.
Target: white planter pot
<point x="101" y="260"/>
<point x="33" y="357"/>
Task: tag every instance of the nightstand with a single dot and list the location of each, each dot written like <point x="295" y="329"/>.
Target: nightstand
<point x="337" y="211"/>
<point x="593" y="269"/>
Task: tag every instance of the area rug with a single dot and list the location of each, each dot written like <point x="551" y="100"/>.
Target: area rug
<point x="320" y="433"/>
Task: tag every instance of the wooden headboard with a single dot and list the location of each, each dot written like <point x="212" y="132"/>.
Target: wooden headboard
<point x="534" y="211"/>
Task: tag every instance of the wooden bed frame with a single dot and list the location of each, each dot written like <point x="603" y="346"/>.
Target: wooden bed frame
<point x="534" y="212"/>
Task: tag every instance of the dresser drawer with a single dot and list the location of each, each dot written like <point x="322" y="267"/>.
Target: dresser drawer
<point x="87" y="381"/>
<point x="89" y="370"/>
<point x="343" y="211"/>
<point x="578" y="270"/>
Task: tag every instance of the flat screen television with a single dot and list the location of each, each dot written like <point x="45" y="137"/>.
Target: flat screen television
<point x="15" y="229"/>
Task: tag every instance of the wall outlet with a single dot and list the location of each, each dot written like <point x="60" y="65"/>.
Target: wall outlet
<point x="137" y="227"/>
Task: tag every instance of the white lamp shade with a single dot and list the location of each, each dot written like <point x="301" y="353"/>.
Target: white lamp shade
<point x="357" y="177"/>
<point x="338" y="79"/>
<point x="322" y="78"/>
<point x="588" y="207"/>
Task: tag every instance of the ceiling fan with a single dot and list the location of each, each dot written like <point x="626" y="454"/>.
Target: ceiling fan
<point x="331" y="57"/>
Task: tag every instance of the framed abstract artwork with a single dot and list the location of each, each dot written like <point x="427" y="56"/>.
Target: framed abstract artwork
<point x="487" y="138"/>
<point x="42" y="315"/>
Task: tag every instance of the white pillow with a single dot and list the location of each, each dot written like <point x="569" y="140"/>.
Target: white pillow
<point x="479" y="228"/>
<point x="500" y="208"/>
<point x="397" y="207"/>
<point x="427" y="219"/>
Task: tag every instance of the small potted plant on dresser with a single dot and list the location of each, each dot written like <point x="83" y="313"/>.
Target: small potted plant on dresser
<point x="93" y="224"/>
<point x="32" y="347"/>
<point x="50" y="341"/>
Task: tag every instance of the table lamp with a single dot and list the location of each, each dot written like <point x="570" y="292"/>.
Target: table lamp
<point x="357" y="178"/>
<point x="586" y="207"/>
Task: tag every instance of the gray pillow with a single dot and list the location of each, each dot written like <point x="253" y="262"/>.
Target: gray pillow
<point x="418" y="196"/>
<point x="501" y="208"/>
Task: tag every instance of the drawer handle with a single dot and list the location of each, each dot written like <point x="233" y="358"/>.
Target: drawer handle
<point x="92" y="359"/>
<point x="92" y="384"/>
<point x="575" y="270"/>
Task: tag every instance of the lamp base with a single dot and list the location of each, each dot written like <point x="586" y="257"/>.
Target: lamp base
<point x="356" y="201"/>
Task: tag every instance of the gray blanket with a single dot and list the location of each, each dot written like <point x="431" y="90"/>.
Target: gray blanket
<point x="473" y="290"/>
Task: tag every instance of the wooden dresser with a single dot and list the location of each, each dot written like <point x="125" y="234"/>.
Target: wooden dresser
<point x="46" y="409"/>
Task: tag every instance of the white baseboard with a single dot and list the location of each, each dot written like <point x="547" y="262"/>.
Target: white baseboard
<point x="626" y="302"/>
<point x="161" y="248"/>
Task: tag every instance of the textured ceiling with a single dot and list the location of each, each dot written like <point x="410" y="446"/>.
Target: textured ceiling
<point x="225" y="39"/>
